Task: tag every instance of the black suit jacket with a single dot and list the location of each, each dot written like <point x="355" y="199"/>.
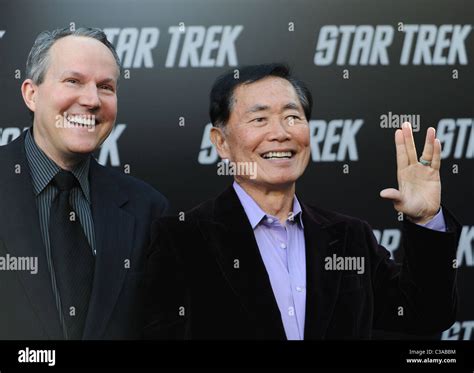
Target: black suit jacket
<point x="207" y="280"/>
<point x="122" y="209"/>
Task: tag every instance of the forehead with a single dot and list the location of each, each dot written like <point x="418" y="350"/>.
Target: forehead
<point x="85" y="55"/>
<point x="270" y="91"/>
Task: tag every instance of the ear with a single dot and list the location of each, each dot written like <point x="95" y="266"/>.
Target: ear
<point x="28" y="91"/>
<point x="218" y="138"/>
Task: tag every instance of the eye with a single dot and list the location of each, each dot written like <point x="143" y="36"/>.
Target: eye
<point x="107" y="87"/>
<point x="72" y="80"/>
<point x="259" y="122"/>
<point x="293" y="119"/>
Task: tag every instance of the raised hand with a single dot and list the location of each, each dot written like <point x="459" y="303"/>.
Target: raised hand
<point x="419" y="187"/>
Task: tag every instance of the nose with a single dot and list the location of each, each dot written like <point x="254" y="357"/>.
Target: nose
<point x="279" y="131"/>
<point x="89" y="97"/>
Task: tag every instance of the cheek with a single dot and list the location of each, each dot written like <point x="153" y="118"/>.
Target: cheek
<point x="61" y="100"/>
<point x="109" y="107"/>
<point x="251" y="139"/>
<point x="244" y="143"/>
<point x="104" y="129"/>
<point x="301" y="135"/>
<point x="50" y="106"/>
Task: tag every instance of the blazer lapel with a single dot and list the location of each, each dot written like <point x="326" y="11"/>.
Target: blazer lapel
<point x="114" y="229"/>
<point x="230" y="236"/>
<point x="22" y="236"/>
<point x="323" y="239"/>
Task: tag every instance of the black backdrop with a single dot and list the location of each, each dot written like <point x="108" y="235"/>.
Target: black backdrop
<point x="367" y="63"/>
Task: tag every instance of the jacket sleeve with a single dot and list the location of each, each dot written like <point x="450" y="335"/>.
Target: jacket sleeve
<point x="166" y="301"/>
<point x="419" y="296"/>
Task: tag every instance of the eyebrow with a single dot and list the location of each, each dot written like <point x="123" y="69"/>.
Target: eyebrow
<point x="72" y="73"/>
<point x="108" y="80"/>
<point x="291" y="105"/>
<point x="258" y="107"/>
<point x="77" y="74"/>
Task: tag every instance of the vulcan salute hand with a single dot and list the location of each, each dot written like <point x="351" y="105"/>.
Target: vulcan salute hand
<point x="419" y="186"/>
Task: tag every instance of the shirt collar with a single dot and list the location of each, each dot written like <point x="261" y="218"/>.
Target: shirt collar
<point x="43" y="169"/>
<point x="255" y="214"/>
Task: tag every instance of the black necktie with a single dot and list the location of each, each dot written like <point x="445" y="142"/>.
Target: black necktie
<point x="72" y="257"/>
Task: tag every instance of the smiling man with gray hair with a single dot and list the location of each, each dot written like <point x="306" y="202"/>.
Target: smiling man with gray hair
<point x="86" y="224"/>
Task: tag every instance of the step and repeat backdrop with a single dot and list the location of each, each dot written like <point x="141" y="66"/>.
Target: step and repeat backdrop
<point x="370" y="66"/>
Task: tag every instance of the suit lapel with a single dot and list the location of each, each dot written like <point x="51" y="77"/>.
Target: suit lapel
<point x="322" y="239"/>
<point x="230" y="236"/>
<point x="22" y="235"/>
<point x="114" y="229"/>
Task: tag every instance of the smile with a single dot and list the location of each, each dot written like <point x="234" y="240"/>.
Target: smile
<point x="81" y="120"/>
<point x="278" y="155"/>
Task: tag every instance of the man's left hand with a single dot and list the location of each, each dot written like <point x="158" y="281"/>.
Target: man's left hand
<point x="419" y="186"/>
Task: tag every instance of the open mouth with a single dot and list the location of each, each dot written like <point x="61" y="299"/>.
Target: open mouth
<point x="278" y="155"/>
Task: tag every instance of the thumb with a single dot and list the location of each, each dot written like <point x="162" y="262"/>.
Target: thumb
<point x="392" y="194"/>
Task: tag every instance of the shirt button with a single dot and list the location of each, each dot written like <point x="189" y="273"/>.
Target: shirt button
<point x="282" y="245"/>
<point x="269" y="220"/>
<point x="299" y="288"/>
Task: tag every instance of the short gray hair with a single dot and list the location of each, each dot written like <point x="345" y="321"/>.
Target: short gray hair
<point x="37" y="62"/>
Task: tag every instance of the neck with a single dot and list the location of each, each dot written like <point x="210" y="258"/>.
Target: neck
<point x="65" y="162"/>
<point x="274" y="201"/>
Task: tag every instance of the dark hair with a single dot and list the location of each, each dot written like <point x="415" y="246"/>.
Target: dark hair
<point x="222" y="92"/>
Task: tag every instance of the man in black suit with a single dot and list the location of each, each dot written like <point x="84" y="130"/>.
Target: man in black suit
<point x="72" y="232"/>
<point x="255" y="263"/>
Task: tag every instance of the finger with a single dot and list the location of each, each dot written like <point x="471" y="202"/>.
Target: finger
<point x="429" y="145"/>
<point x="436" y="161"/>
<point x="409" y="143"/>
<point x="391" y="194"/>
<point x="402" y="156"/>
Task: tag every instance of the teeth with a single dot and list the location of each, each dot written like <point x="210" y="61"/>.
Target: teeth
<point x="84" y="120"/>
<point x="277" y="155"/>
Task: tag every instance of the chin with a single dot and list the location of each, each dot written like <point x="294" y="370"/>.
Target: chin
<point x="82" y="147"/>
<point x="285" y="178"/>
<point x="282" y="181"/>
<point x="82" y="143"/>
